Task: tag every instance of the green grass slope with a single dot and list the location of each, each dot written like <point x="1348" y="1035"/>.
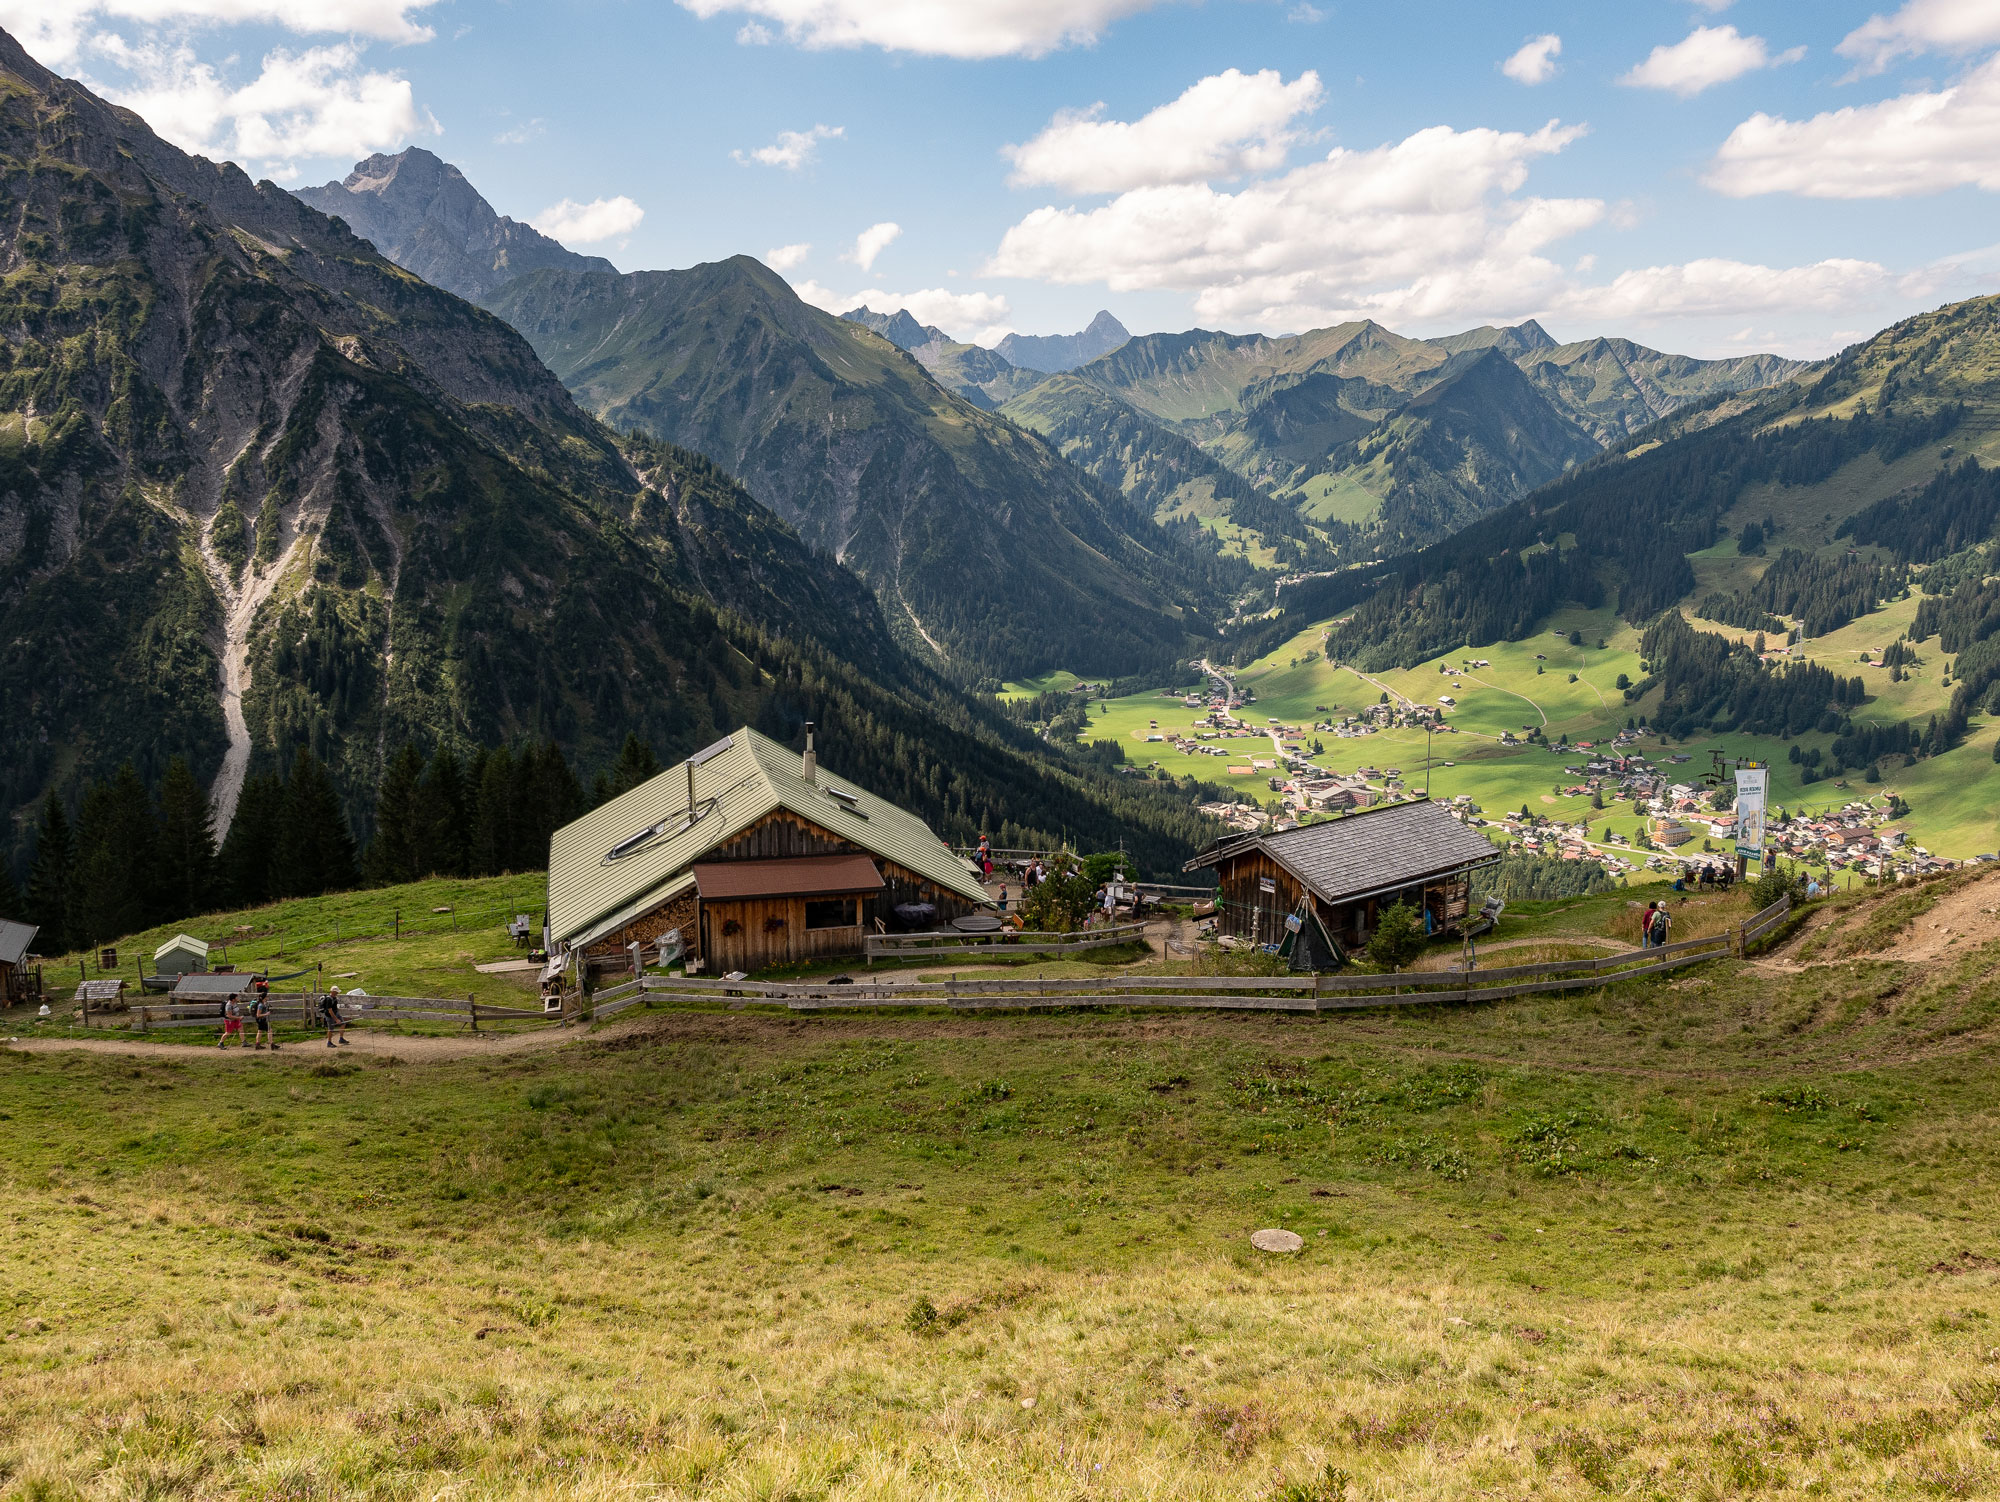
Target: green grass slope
<point x="1554" y="1246"/>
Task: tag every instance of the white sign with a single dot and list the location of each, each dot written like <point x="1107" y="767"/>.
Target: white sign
<point x="1750" y="783"/>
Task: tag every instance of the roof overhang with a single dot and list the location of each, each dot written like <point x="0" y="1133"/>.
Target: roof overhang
<point x="796" y="876"/>
<point x="610" y="923"/>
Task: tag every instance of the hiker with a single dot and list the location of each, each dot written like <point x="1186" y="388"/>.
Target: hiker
<point x="1646" y="926"/>
<point x="260" y="1013"/>
<point x="330" y="1015"/>
<point x="232" y="1022"/>
<point x="1661" y="922"/>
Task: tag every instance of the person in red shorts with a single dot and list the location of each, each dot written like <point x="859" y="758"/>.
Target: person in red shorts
<point x="232" y="1022"/>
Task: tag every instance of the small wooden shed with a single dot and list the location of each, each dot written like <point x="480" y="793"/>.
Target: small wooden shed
<point x="14" y="941"/>
<point x="1350" y="869"/>
<point x="183" y="954"/>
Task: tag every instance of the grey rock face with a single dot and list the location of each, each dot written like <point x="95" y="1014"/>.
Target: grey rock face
<point x="420" y="212"/>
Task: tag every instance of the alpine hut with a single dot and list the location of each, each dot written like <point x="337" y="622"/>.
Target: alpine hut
<point x="183" y="954"/>
<point x="754" y="855"/>
<point x="14" y="941"/>
<point x="1348" y="870"/>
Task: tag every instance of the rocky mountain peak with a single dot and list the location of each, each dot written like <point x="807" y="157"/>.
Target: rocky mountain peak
<point x="421" y="212"/>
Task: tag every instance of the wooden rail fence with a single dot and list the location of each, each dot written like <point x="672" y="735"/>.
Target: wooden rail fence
<point x="1264" y="993"/>
<point x="946" y="943"/>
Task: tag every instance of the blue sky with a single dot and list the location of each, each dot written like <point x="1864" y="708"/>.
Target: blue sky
<point x="1705" y="177"/>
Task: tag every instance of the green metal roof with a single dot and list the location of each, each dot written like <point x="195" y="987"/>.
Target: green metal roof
<point x="620" y="860"/>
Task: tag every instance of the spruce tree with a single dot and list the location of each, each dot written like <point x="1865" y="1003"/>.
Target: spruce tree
<point x="315" y="848"/>
<point x="50" y="877"/>
<point x="396" y="853"/>
<point x="445" y="845"/>
<point x="493" y="814"/>
<point x="117" y="844"/>
<point x="186" y="873"/>
<point x="246" y="867"/>
<point x="636" y="763"/>
<point x="11" y="903"/>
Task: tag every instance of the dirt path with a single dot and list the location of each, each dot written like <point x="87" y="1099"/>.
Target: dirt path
<point x="410" y="1049"/>
<point x="1961" y="920"/>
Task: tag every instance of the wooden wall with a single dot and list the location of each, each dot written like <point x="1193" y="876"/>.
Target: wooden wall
<point x="769" y="931"/>
<point x="1244" y="908"/>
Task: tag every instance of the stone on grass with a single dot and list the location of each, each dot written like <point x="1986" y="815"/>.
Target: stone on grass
<point x="1277" y="1241"/>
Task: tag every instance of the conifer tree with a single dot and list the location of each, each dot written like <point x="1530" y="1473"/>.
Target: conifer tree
<point x="186" y="875"/>
<point x="315" y="848"/>
<point x="50" y="877"/>
<point x="11" y="903"/>
<point x="636" y="763"/>
<point x="493" y="814"/>
<point x="246" y="868"/>
<point x="396" y="854"/>
<point x="444" y="804"/>
<point x="117" y="846"/>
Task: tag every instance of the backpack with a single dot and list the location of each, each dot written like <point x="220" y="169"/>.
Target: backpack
<point x="1660" y="921"/>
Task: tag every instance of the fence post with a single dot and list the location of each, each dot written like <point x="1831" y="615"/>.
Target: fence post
<point x="473" y="1003"/>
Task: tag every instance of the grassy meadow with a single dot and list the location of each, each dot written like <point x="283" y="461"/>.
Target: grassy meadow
<point x="1720" y="1235"/>
<point x="1953" y="797"/>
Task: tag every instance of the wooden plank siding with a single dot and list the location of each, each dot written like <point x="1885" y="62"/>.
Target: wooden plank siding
<point x="758" y="932"/>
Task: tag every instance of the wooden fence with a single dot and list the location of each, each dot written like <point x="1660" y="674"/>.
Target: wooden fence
<point x="301" y="1010"/>
<point x="1005" y="941"/>
<point x="1261" y="993"/>
<point x="1282" y="993"/>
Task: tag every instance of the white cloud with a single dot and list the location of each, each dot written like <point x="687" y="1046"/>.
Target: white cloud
<point x="1715" y="288"/>
<point x="793" y="148"/>
<point x="1223" y="126"/>
<point x="55" y="30"/>
<point x="1922" y="26"/>
<point x="1305" y="13"/>
<point x="1430" y="227"/>
<point x="785" y="257"/>
<point x="1709" y="55"/>
<point x="754" y="34"/>
<point x="1924" y="142"/>
<point x="1536" y="61"/>
<point x="1434" y="232"/>
<point x="587" y="223"/>
<point x="316" y="103"/>
<point x="871" y="242"/>
<point x="940" y="28"/>
<point x="969" y="317"/>
<point x="520" y="135"/>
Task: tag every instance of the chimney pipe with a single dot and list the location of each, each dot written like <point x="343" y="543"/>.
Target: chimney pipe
<point x="689" y="764"/>
<point x="811" y="772"/>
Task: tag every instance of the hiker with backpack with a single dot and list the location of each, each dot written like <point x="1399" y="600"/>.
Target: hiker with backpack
<point x="232" y="1023"/>
<point x="260" y="1013"/>
<point x="330" y="1015"/>
<point x="1646" y="926"/>
<point x="1662" y="923"/>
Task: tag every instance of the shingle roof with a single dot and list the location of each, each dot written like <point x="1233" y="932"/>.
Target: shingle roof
<point x="214" y="987"/>
<point x="1389" y="846"/>
<point x="737" y="781"/>
<point x="14" y="940"/>
<point x="799" y="876"/>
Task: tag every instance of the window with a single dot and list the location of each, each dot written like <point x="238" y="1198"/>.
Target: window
<point x="834" y="912"/>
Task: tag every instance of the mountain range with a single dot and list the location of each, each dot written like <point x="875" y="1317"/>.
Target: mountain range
<point x="263" y="490"/>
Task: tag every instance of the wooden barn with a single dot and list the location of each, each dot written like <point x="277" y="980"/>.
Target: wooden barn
<point x="755" y="855"/>
<point x="14" y="941"/>
<point x="1351" y="869"/>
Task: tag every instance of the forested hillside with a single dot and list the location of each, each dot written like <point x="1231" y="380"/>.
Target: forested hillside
<point x="247" y="462"/>
<point x="986" y="548"/>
